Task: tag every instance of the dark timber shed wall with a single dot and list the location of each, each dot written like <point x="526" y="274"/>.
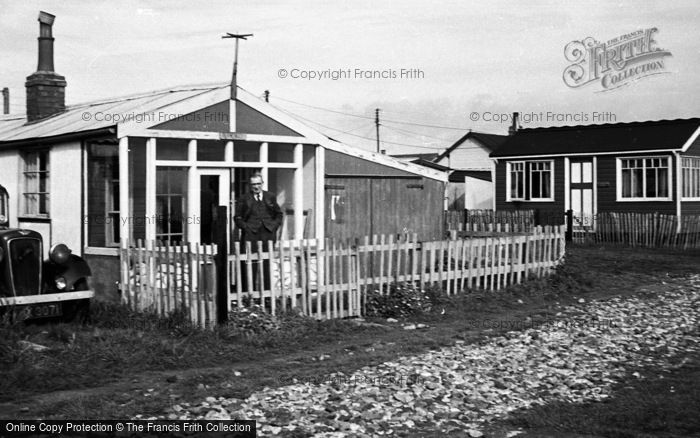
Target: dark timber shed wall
<point x="363" y="198"/>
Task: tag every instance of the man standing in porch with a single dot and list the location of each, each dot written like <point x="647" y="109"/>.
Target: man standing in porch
<point x="258" y="217"/>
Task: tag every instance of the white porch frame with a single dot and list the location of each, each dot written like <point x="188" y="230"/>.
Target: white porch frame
<point x="195" y="168"/>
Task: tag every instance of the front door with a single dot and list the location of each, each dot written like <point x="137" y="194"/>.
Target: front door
<point x="581" y="192"/>
<point x="214" y="190"/>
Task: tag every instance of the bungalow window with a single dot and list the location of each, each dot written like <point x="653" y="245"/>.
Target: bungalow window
<point x="103" y="195"/>
<point x="517" y="180"/>
<point x="540" y="180"/>
<point x="530" y="181"/>
<point x="644" y="178"/>
<point x="171" y="203"/>
<point x="691" y="177"/>
<point x="35" y="184"/>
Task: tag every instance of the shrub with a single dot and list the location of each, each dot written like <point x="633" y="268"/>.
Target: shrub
<point x="249" y="321"/>
<point x="398" y="301"/>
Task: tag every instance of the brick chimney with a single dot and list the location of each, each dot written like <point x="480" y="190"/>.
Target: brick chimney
<point x="46" y="90"/>
<point x="6" y="100"/>
<point x="516" y="124"/>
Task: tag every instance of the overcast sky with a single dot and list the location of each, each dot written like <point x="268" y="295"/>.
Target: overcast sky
<point x="474" y="57"/>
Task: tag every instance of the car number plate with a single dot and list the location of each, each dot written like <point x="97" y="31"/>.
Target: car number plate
<point x="43" y="310"/>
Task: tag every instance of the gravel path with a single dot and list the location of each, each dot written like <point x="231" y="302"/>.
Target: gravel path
<point x="466" y="386"/>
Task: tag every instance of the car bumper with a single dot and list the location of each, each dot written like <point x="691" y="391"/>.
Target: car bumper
<point x="47" y="298"/>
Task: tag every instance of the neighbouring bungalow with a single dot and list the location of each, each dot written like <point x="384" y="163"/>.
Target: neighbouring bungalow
<point x="154" y="166"/>
<point x="640" y="167"/>
<point x="471" y="176"/>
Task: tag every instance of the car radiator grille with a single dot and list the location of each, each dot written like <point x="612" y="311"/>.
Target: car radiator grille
<point x="25" y="265"/>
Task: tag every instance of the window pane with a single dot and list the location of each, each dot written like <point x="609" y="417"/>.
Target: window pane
<point x="535" y="190"/>
<point x="521" y="185"/>
<point x="176" y="214"/>
<point x="662" y="183"/>
<point x="637" y="183"/>
<point x="517" y="180"/>
<point x="280" y="152"/>
<point x="626" y="183"/>
<point x="44" y="204"/>
<point x="546" y="187"/>
<point x="651" y="183"/>
<point x="171" y="149"/>
<point x="171" y="203"/>
<point x="161" y="182"/>
<point x="587" y="173"/>
<point x="210" y="150"/>
<point x="575" y="173"/>
<point x="246" y="151"/>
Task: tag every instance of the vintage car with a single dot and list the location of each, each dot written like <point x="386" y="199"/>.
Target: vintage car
<point x="34" y="289"/>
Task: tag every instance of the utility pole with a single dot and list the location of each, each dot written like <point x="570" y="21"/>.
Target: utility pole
<point x="376" y="122"/>
<point x="237" y="37"/>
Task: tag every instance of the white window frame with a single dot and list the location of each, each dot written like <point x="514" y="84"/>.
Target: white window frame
<point x="509" y="166"/>
<point x="527" y="176"/>
<point x="618" y="179"/>
<point x="694" y="173"/>
<point x="528" y="170"/>
<point x="24" y="182"/>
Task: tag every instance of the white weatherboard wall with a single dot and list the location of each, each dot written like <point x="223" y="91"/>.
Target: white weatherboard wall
<point x="66" y="212"/>
<point x="478" y="194"/>
<point x="470" y="155"/>
<point x="9" y="178"/>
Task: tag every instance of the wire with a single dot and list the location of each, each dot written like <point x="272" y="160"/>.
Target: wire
<point x="414" y="133"/>
<point x="372" y="118"/>
<point x="355" y="135"/>
<point x="325" y="109"/>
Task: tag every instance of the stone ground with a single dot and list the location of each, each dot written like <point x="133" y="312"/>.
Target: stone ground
<point x="576" y="357"/>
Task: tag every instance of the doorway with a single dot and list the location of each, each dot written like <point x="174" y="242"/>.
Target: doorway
<point x="214" y="191"/>
<point x="581" y="193"/>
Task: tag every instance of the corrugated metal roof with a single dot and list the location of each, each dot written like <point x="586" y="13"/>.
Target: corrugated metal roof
<point x="614" y="137"/>
<point x="13" y="128"/>
<point x="96" y="115"/>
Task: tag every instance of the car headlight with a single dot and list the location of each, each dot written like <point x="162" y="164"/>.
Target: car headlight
<point x="60" y="283"/>
<point x="59" y="253"/>
<point x="2" y="218"/>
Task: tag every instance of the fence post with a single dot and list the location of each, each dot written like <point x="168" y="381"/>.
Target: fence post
<point x="569" y="225"/>
<point x="219" y="227"/>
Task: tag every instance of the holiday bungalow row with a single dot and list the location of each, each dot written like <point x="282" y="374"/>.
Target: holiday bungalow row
<point x="639" y="167"/>
<point x="155" y="166"/>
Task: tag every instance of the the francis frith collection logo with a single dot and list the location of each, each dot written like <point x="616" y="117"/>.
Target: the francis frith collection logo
<point x="614" y="63"/>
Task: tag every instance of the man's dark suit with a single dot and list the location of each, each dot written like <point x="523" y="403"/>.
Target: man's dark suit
<point x="258" y="221"/>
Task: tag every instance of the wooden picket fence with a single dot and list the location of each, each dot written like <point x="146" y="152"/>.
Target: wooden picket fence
<point x="327" y="278"/>
<point x="162" y="278"/>
<point x="330" y="278"/>
<point x="488" y="220"/>
<point x="651" y="230"/>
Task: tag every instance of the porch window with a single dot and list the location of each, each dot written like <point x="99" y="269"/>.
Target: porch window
<point x="691" y="177"/>
<point x="103" y="195"/>
<point x="35" y="184"/>
<point x="171" y="203"/>
<point x="517" y="180"/>
<point x="644" y="178"/>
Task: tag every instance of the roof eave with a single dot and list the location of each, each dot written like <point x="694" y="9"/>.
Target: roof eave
<point x="62" y="138"/>
<point x="578" y="154"/>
